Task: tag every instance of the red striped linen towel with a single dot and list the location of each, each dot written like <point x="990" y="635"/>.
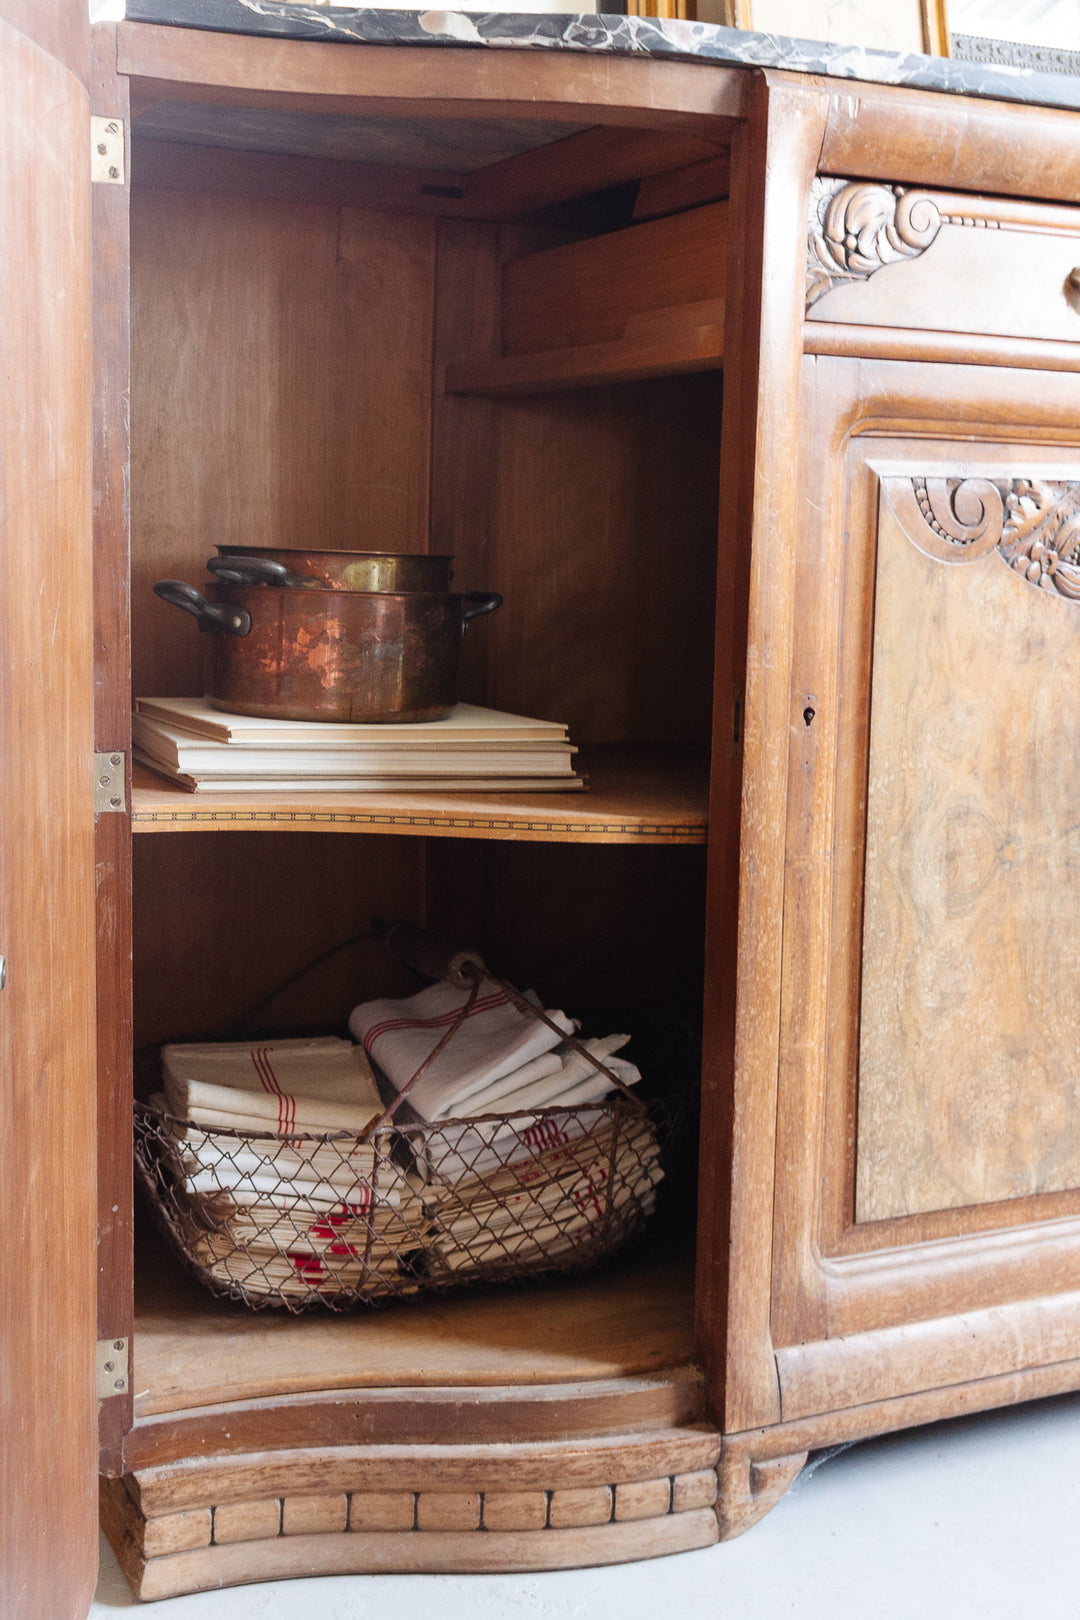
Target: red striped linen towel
<point x="495" y="1040"/>
<point x="281" y="1087"/>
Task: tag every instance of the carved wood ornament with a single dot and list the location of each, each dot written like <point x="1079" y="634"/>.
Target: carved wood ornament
<point x="857" y="227"/>
<point x="1033" y="525"/>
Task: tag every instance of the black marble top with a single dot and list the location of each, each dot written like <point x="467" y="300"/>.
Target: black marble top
<point x="630" y="36"/>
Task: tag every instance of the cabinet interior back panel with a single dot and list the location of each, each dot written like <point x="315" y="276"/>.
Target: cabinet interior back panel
<point x="969" y="1053"/>
<point x="604" y="522"/>
<point x="219" y="921"/>
<point x="281" y="387"/>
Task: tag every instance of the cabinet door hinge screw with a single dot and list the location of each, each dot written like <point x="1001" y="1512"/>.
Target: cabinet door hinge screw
<point x="109" y="794"/>
<point x="107" y="165"/>
<point x="112" y="1368"/>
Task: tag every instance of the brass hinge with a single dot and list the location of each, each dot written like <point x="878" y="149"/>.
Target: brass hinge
<point x="112" y="1368"/>
<point x="109" y="794"/>
<point x="107" y="165"/>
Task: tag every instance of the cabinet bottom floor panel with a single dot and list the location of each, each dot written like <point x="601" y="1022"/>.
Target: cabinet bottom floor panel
<point x="197" y="1358"/>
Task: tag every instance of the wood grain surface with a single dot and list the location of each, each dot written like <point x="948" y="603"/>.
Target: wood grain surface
<point x="386" y="1477"/>
<point x="966" y="1347"/>
<point x="773" y="160"/>
<point x="747" y="1490"/>
<point x="269" y="325"/>
<point x="1009" y="282"/>
<point x="48" y="1555"/>
<point x="112" y="733"/>
<point x="307" y="75"/>
<point x="430" y="1552"/>
<point x="969" y="1030"/>
<point x="961" y="348"/>
<point x="587" y="292"/>
<point x="604" y="512"/>
<point x="488" y="186"/>
<point x="683" y="188"/>
<point x="589" y="161"/>
<point x="633" y="796"/>
<point x="426" y="1505"/>
<point x="515" y="1415"/>
<point x="692" y="342"/>
<point x="934" y="139"/>
<point x="835" y="1278"/>
<point x="281" y="364"/>
<point x="209" y="938"/>
<point x="193" y="1350"/>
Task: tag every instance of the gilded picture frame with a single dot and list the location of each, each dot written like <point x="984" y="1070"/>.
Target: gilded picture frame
<point x="1039" y="35"/>
<point x="918" y="25"/>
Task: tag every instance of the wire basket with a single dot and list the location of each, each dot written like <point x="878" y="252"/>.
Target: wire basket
<point x="339" y="1220"/>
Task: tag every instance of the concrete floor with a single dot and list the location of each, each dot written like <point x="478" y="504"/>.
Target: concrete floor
<point x="975" y="1518"/>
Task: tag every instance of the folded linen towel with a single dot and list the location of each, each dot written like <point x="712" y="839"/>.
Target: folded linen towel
<point x="334" y="1232"/>
<point x="581" y="1238"/>
<point x="217" y="1119"/>
<point x="216" y="1201"/>
<point x="253" y="1176"/>
<point x="637" y="1153"/>
<point x="277" y="1086"/>
<point x="299" y="1276"/>
<point x="489" y="1100"/>
<point x="488" y="1148"/>
<point x="495" y="1039"/>
<point x="344" y="1163"/>
<point x="570" y="1076"/>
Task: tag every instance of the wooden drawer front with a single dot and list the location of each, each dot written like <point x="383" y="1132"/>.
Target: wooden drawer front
<point x="890" y="256"/>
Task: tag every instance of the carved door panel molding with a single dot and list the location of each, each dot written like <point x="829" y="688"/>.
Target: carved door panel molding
<point x="1033" y="524"/>
<point x="928" y="1155"/>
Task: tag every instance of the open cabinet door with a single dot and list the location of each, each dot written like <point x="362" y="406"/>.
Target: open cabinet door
<point x="47" y="1052"/>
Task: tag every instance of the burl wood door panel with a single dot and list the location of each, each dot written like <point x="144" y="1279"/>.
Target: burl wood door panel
<point x="969" y="1017"/>
<point x="927" y="1217"/>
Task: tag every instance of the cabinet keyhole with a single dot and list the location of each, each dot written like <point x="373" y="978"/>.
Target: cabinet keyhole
<point x="808" y="715"/>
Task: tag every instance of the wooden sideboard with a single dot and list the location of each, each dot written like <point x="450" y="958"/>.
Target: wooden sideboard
<point x="755" y="395"/>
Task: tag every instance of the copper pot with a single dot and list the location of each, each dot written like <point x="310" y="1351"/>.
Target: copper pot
<point x="316" y="654"/>
<point x="336" y="570"/>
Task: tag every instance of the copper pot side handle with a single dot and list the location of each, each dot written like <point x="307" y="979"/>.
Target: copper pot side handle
<point x="212" y="616"/>
<point x="482" y="602"/>
<point x="254" y="571"/>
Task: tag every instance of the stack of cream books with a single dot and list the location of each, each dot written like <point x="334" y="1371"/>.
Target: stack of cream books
<point x="475" y="750"/>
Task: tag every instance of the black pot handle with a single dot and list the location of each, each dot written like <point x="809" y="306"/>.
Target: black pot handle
<point x="213" y="616"/>
<point x="252" y="571"/>
<point x="485" y="602"/>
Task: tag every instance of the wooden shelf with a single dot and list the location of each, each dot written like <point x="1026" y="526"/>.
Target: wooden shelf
<point x="631" y="358"/>
<point x="634" y="796"/>
<point x="647" y="301"/>
<point x="631" y="1319"/>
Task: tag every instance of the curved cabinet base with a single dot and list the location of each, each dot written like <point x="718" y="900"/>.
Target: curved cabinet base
<point x="222" y="1521"/>
<point x="436" y="1552"/>
<point x="748" y="1490"/>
